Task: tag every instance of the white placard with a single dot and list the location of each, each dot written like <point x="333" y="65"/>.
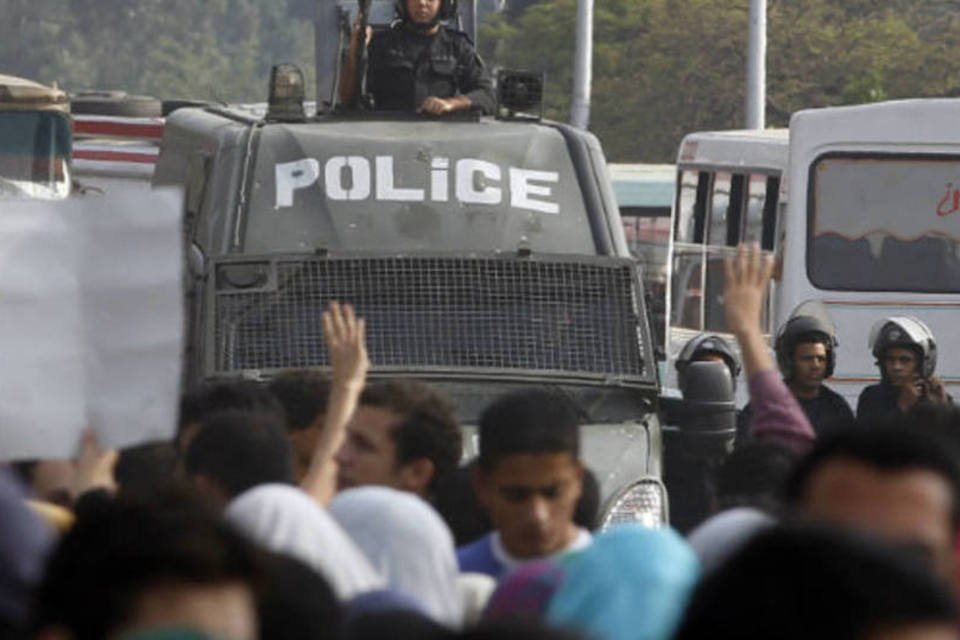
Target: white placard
<point x="91" y="321"/>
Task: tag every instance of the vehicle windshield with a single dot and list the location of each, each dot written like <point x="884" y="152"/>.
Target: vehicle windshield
<point x="34" y="154"/>
<point x="885" y="223"/>
<point x="414" y="186"/>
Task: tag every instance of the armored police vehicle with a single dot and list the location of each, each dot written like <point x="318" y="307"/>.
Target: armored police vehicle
<point x="486" y="255"/>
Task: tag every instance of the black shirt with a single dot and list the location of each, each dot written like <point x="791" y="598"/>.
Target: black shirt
<point x="407" y="67"/>
<point x="878" y="401"/>
<point x="826" y="412"/>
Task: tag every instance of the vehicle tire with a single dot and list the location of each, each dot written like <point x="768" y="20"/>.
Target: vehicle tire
<point x="169" y="106"/>
<point x="115" y="103"/>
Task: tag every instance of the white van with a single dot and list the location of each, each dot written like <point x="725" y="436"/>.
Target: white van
<point x="873" y="226"/>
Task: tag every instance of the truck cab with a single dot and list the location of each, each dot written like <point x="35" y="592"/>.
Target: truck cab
<point x="35" y="140"/>
<point x="486" y="254"/>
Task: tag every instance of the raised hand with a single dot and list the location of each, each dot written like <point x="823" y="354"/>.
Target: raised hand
<point x="94" y="466"/>
<point x="747" y="279"/>
<point x="345" y="336"/>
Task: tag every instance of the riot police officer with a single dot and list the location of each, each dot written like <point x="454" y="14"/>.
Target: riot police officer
<point x="906" y="354"/>
<point x="421" y="65"/>
<point x="806" y="350"/>
<point x="704" y="348"/>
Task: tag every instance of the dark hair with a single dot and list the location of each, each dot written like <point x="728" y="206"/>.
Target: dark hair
<point x="457" y="503"/>
<point x="114" y="555"/>
<point x="303" y="395"/>
<point x="240" y="450"/>
<point x="398" y="625"/>
<point x="753" y="475"/>
<point x="223" y="395"/>
<point x="516" y="630"/>
<point x="808" y="581"/>
<point x="898" y="444"/>
<point x="147" y="470"/>
<point x="588" y="506"/>
<point x="428" y="425"/>
<point x="529" y="421"/>
<point x="297" y="602"/>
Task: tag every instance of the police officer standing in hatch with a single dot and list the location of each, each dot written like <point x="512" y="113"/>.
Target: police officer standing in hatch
<point x="421" y="65"/>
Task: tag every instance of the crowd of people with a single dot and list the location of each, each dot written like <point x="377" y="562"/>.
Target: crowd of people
<point x="335" y="506"/>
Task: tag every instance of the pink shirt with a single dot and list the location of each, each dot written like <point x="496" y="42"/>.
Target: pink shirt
<point x="777" y="416"/>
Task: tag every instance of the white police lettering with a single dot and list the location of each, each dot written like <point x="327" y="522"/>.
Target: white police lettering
<point x="475" y="182"/>
<point x="440" y="179"/>
<point x="471" y="189"/>
<point x="291" y="176"/>
<point x="359" y="178"/>
<point x="521" y="190"/>
<point x="386" y="190"/>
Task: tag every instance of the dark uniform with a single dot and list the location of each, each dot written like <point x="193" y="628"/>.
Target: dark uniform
<point x="406" y="67"/>
<point x="877" y="402"/>
<point x="880" y="401"/>
<point x="826" y="413"/>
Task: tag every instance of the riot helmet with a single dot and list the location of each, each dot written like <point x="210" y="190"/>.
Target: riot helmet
<point x="701" y="345"/>
<point x="800" y="329"/>
<point x="447" y="11"/>
<point x="907" y="332"/>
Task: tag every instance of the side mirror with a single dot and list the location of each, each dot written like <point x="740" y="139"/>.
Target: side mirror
<point x="708" y="414"/>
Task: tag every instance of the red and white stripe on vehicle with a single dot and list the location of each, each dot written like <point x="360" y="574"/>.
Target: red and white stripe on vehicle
<point x="116" y="145"/>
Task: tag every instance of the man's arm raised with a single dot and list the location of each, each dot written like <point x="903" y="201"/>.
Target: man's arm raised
<point x="776" y="415"/>
<point x="345" y="335"/>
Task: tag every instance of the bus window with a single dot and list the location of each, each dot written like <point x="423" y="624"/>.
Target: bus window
<point x="758" y="192"/>
<point x="885" y="223"/>
<point x="771" y="208"/>
<point x="738" y="194"/>
<point x="687" y="287"/>
<point x="713" y="317"/>
<point x="719" y="208"/>
<point x="691" y="206"/>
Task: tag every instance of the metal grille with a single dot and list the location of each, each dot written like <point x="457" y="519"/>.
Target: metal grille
<point x="438" y="313"/>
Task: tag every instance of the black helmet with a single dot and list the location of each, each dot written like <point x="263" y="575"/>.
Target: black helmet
<point x="448" y="10"/>
<point x="804" y="329"/>
<point x="908" y="332"/>
<point x="703" y="344"/>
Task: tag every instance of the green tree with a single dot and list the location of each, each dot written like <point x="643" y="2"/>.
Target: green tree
<point x="664" y="68"/>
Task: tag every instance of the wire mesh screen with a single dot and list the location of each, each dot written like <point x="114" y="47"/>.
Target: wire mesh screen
<point x="439" y="313"/>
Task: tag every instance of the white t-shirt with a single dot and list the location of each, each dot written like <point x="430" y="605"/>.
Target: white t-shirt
<point x="580" y="542"/>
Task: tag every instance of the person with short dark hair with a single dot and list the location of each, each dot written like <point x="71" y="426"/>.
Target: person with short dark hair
<point x="891" y="479"/>
<point x="400" y="433"/>
<point x="221" y="395"/>
<point x="800" y="583"/>
<point x="146" y="471"/>
<point x="529" y="478"/>
<point x="403" y="435"/>
<point x="234" y="451"/>
<point x="129" y="567"/>
<point x="303" y="395"/>
<point x="456" y="501"/>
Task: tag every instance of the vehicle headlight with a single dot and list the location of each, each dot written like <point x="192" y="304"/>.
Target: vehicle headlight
<point x="644" y="502"/>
